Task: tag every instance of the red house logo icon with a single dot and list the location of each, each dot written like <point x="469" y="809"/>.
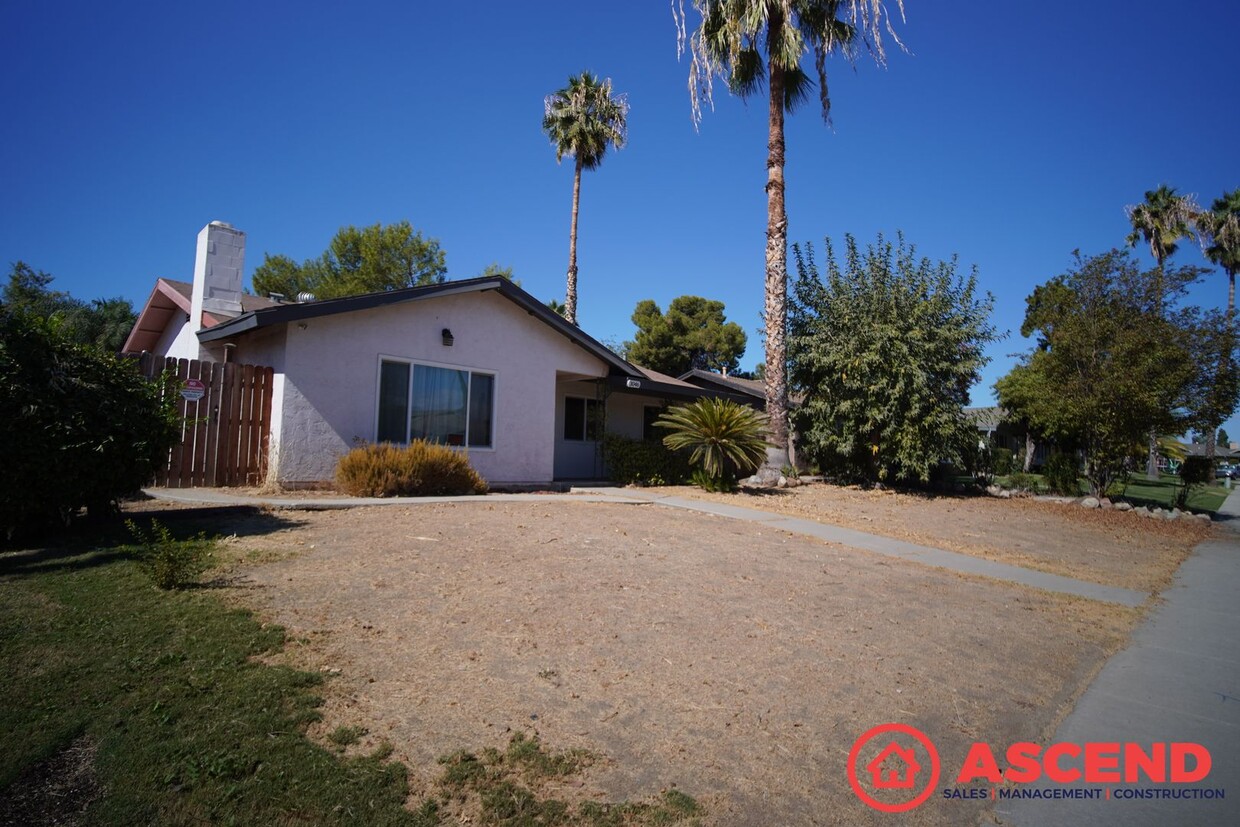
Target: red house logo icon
<point x="888" y="778"/>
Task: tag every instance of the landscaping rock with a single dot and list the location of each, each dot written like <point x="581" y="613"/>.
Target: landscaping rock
<point x="1204" y="517"/>
<point x="1105" y="502"/>
<point x="994" y="490"/>
<point x="1122" y="506"/>
<point x="1176" y="513"/>
<point x="1089" y="502"/>
<point x="1142" y="511"/>
<point x="782" y="482"/>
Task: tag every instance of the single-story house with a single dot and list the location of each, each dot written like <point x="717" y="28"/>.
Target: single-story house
<point x="479" y="364"/>
<point x="995" y="428"/>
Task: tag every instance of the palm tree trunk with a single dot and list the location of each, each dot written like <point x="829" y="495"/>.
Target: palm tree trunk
<point x="776" y="307"/>
<point x="1151" y="463"/>
<point x="1030" y="447"/>
<point x="570" y="291"/>
<point x="1231" y="293"/>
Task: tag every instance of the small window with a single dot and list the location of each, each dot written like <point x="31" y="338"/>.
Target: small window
<point x="583" y="419"/>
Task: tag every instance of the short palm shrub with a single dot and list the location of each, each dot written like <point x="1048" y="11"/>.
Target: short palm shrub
<point x="723" y="438"/>
<point x="419" y="469"/>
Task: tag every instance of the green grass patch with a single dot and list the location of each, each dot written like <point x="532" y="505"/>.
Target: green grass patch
<point x="505" y="786"/>
<point x="187" y="726"/>
<point x="1162" y="493"/>
<point x="1140" y="490"/>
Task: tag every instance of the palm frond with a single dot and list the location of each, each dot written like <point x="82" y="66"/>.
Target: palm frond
<point x="722" y="436"/>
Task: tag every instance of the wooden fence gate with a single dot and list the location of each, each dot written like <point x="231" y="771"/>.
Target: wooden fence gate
<point x="225" y="431"/>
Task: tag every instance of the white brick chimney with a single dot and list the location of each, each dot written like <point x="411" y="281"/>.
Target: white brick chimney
<point x="218" y="266"/>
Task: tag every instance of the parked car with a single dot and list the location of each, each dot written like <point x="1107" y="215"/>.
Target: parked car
<point x="1226" y="470"/>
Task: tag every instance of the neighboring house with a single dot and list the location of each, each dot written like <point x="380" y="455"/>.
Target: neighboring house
<point x="994" y="427"/>
<point x="751" y="388"/>
<point x="1222" y="453"/>
<point x="479" y="364"/>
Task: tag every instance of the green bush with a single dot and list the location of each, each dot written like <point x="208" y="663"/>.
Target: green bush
<point x="1001" y="461"/>
<point x="724" y="438"/>
<point x="1020" y="481"/>
<point x="419" y="469"/>
<point x="82" y="427"/>
<point x="169" y="562"/>
<point x="1062" y="474"/>
<point x="643" y="462"/>
<point x="1194" y="473"/>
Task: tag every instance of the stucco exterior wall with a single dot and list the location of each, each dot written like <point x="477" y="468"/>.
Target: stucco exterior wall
<point x="178" y="340"/>
<point x="330" y="371"/>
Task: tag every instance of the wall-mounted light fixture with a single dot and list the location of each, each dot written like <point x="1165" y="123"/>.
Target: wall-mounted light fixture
<point x="447" y="337"/>
<point x="302" y="325"/>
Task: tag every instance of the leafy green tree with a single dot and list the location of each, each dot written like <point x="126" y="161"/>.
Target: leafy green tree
<point x="1162" y="220"/>
<point x="1109" y="367"/>
<point x="102" y="323"/>
<point x="724" y="438"/>
<point x="1214" y="389"/>
<point x="494" y="269"/>
<point x="693" y="334"/>
<point x="1220" y="232"/>
<point x="884" y="348"/>
<point x="1223" y="438"/>
<point x="758" y="46"/>
<point x="82" y="426"/>
<point x="359" y="260"/>
<point x="582" y="120"/>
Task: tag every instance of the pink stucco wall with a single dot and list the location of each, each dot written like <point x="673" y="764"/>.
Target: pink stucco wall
<point x="328" y="379"/>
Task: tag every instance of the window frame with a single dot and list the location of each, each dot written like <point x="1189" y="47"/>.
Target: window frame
<point x="588" y="401"/>
<point x="411" y="364"/>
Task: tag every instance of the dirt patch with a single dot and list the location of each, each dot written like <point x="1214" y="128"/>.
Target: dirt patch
<point x="733" y="661"/>
<point x="1108" y="547"/>
<point x="56" y="791"/>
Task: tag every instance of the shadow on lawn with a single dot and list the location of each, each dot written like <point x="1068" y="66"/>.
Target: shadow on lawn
<point x="93" y="544"/>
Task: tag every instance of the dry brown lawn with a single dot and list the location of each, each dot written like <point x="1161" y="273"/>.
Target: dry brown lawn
<point x="1109" y="547"/>
<point x="735" y="662"/>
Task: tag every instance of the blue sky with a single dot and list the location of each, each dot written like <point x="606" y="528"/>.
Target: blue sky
<point x="1011" y="134"/>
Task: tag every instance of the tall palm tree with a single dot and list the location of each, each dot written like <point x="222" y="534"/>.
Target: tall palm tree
<point x="755" y="46"/>
<point x="582" y="120"/>
<point x="1219" y="231"/>
<point x="1220" y="236"/>
<point x="1161" y="220"/>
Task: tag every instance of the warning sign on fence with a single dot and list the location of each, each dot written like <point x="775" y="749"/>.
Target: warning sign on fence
<point x="194" y="390"/>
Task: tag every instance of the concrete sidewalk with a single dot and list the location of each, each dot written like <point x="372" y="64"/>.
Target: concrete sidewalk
<point x="1178" y="680"/>
<point x="886" y="546"/>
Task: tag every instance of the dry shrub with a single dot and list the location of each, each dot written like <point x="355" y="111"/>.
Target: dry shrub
<point x="419" y="469"/>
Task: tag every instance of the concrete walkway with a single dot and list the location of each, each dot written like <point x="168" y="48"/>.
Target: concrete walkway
<point x="886" y="546"/>
<point x="1178" y="680"/>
